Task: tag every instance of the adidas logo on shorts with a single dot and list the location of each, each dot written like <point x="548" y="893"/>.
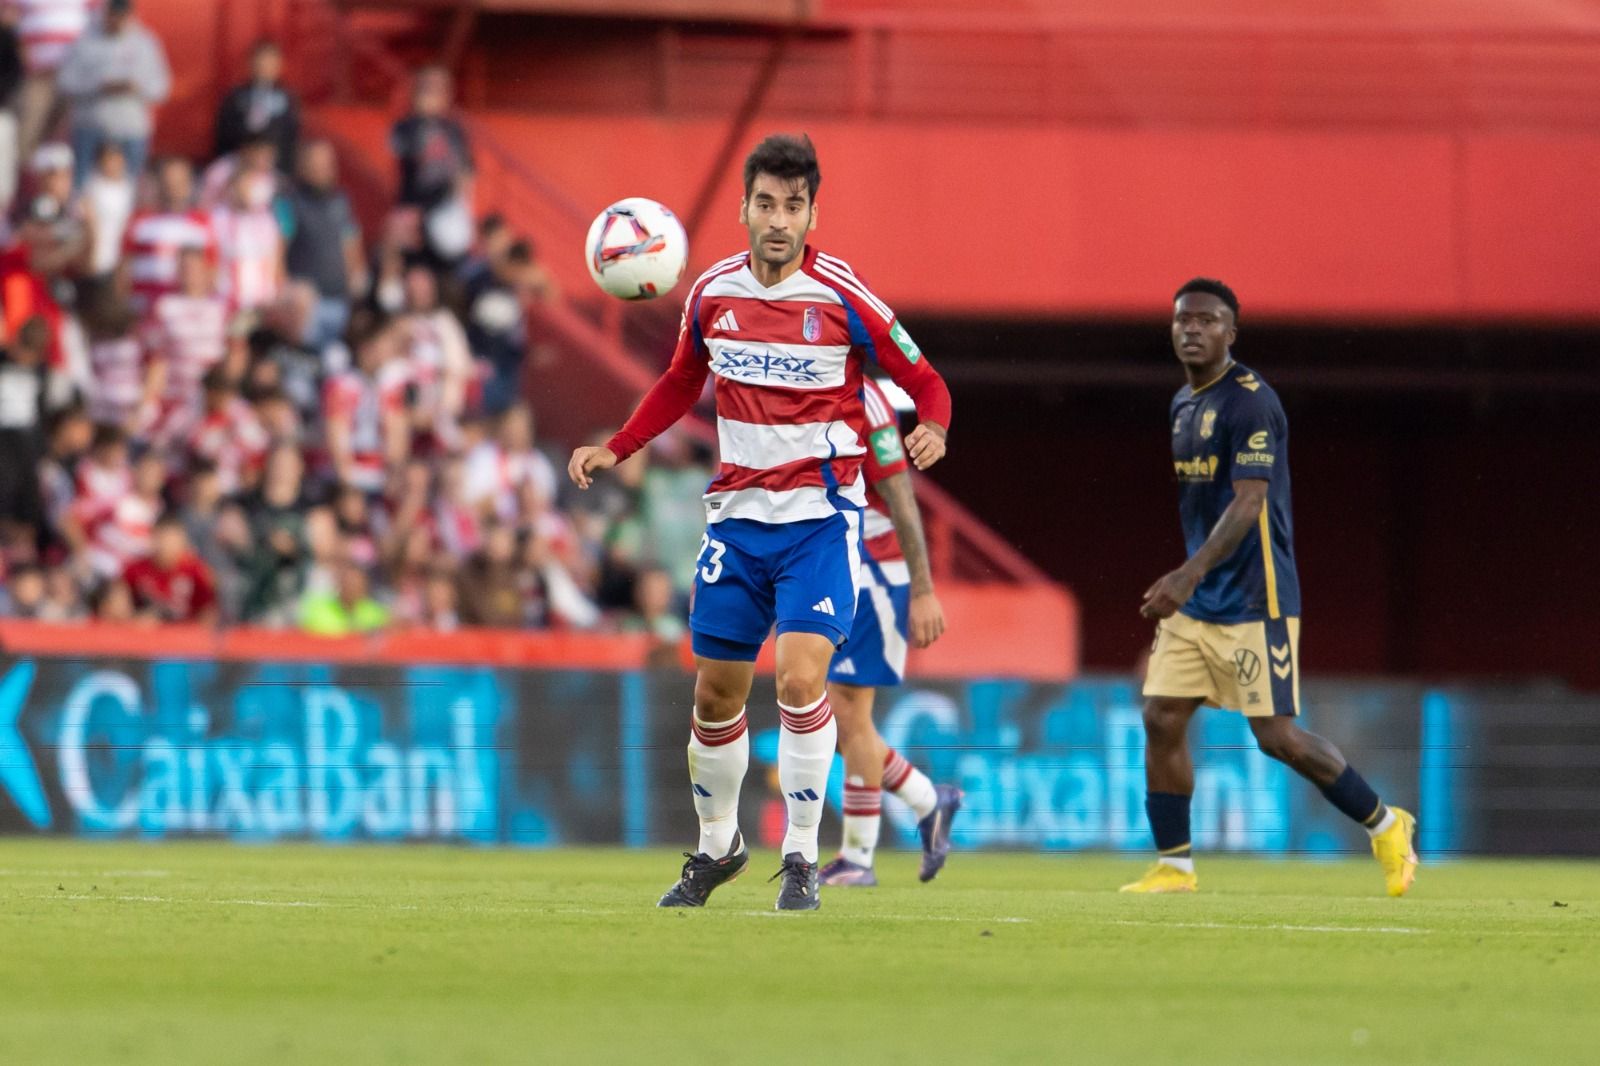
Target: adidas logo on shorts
<point x="825" y="605"/>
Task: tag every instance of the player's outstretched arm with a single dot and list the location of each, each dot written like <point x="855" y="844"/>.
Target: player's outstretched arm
<point x="1173" y="590"/>
<point x="927" y="614"/>
<point x="588" y="460"/>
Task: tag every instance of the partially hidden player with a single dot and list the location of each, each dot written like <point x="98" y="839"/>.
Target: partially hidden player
<point x="896" y="607"/>
<point x="785" y="330"/>
<point x="1228" y="628"/>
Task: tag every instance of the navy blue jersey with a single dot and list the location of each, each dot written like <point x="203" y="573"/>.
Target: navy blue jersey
<point x="1228" y="431"/>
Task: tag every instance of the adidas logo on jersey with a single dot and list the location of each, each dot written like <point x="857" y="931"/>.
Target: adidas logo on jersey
<point x="825" y="605"/>
<point x="727" y="323"/>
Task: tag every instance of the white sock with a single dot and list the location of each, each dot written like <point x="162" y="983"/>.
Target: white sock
<point x="805" y="755"/>
<point x="909" y="784"/>
<point x="719" y="753"/>
<point x="1384" y="824"/>
<point x="862" y="817"/>
<point x="1186" y="865"/>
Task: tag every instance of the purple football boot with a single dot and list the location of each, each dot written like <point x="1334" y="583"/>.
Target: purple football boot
<point x="841" y="871"/>
<point x="935" y="831"/>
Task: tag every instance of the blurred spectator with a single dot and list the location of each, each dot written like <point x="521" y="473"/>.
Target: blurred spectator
<point x="497" y="319"/>
<point x="10" y="98"/>
<point x="654" y="609"/>
<point x="115" y="74"/>
<point x="436" y="166"/>
<point x="48" y="29"/>
<point x="60" y="241"/>
<point x="158" y="234"/>
<point x="494" y="592"/>
<point x="507" y="478"/>
<point x="348" y="610"/>
<point x="25" y="592"/>
<point x="495" y="238"/>
<point x="112" y="602"/>
<point x="261" y="107"/>
<point x="437" y="362"/>
<point x="70" y="436"/>
<point x="250" y="249"/>
<point x="257" y="156"/>
<point x="275" y="566"/>
<point x="107" y="199"/>
<point x="63" y="597"/>
<point x="670" y="507"/>
<point x="121" y="532"/>
<point x="325" y="246"/>
<point x="228" y="436"/>
<point x="101" y="478"/>
<point x="441" y="608"/>
<point x="22" y="422"/>
<point x="186" y="335"/>
<point x="172" y="584"/>
<point x="364" y="412"/>
<point x="357" y="530"/>
<point x="280" y="364"/>
<point x="124" y="388"/>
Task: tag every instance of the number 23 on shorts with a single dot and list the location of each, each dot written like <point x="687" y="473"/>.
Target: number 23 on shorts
<point x="713" y="566"/>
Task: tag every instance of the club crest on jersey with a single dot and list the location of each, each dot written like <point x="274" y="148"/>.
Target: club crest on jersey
<point x="811" y="329"/>
<point x="1208" y="424"/>
<point x="759" y="364"/>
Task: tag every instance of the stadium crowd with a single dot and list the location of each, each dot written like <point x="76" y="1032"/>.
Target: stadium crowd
<point x="221" y="404"/>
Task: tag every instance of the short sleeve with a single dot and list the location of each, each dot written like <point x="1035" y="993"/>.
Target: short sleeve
<point x="1257" y="434"/>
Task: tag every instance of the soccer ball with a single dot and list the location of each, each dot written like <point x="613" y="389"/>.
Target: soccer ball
<point x="637" y="249"/>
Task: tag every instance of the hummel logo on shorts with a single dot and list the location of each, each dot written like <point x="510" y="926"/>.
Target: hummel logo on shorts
<point x="825" y="605"/>
<point x="727" y="323"/>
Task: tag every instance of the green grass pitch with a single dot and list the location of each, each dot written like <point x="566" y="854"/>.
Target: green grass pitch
<point x="210" y="953"/>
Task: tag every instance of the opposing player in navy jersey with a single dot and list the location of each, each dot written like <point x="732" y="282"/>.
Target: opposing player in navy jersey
<point x="1229" y="618"/>
<point x="896" y="607"/>
<point x="786" y="330"/>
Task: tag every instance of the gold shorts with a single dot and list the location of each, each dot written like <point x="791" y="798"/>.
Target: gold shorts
<point x="1252" y="667"/>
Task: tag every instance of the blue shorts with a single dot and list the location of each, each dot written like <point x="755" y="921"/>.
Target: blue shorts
<point x="875" y="654"/>
<point x="801" y="575"/>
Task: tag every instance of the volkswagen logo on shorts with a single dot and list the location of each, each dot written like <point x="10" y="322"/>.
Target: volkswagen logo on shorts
<point x="1248" y="665"/>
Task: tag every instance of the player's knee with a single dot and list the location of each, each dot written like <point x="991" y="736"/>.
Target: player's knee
<point x="1163" y="722"/>
<point x="800" y="685"/>
<point x="716" y="700"/>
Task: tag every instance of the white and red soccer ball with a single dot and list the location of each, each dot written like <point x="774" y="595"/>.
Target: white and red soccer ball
<point x="637" y="249"/>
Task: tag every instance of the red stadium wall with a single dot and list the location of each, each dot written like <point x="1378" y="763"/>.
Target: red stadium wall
<point x="1054" y="221"/>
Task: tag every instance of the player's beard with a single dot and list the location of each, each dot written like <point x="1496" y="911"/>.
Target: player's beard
<point x="771" y="256"/>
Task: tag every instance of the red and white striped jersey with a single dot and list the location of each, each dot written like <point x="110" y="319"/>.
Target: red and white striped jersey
<point x="116" y="388"/>
<point x="233" y="440"/>
<point x="188" y="335"/>
<point x="788" y="365"/>
<point x="151" y="245"/>
<point x="48" y="29"/>
<point x="886" y="456"/>
<point x="249" y="256"/>
<point x="356" y="400"/>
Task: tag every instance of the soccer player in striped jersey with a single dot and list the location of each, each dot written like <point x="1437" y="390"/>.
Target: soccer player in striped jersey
<point x="896" y="605"/>
<point x="786" y="331"/>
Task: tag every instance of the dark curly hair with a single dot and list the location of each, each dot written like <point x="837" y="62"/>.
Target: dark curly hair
<point x="1212" y="287"/>
<point x="787" y="158"/>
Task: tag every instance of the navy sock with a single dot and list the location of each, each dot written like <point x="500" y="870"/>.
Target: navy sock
<point x="1169" y="822"/>
<point x="1355" y="798"/>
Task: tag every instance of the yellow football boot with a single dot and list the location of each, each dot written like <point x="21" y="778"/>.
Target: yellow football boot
<point x="1163" y="878"/>
<point x="1395" y="850"/>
